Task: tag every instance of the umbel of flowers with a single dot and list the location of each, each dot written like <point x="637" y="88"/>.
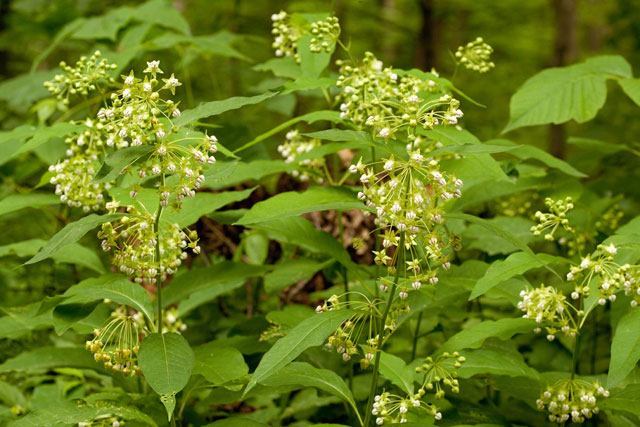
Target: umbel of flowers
<point x="135" y="115"/>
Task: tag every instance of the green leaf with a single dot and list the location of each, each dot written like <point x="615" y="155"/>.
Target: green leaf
<point x="65" y="315"/>
<point x="45" y="134"/>
<point x="236" y="422"/>
<point x="309" y="333"/>
<point x="115" y="288"/>
<point x="217" y="275"/>
<point x="17" y="321"/>
<point x="166" y="361"/>
<point x="45" y="358"/>
<point x="478" y="333"/>
<point x="486" y="241"/>
<point x="302" y="84"/>
<point x="625" y="399"/>
<point x="396" y="370"/>
<point x="471" y="148"/>
<point x="115" y="162"/>
<point x="496" y="358"/>
<point x="203" y="204"/>
<point x="70" y="254"/>
<point x="11" y="395"/>
<point x="281" y="67"/>
<point x="304" y="374"/>
<point x="294" y="204"/>
<point x="219" y="365"/>
<point x="625" y="348"/>
<point x="22" y="91"/>
<point x="525" y="152"/>
<point x="310" y="118"/>
<point x="312" y="64"/>
<point x="298" y="231"/>
<point x="291" y="271"/>
<point x="214" y="108"/>
<point x="501" y="270"/>
<point x="203" y="296"/>
<point x="632" y="88"/>
<point x="240" y="172"/>
<point x="597" y="146"/>
<point x="15" y="202"/>
<point x="67" y="412"/>
<point x="71" y="233"/>
<point x="557" y="95"/>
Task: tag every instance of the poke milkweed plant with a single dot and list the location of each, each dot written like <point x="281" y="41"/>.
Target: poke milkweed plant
<point x="460" y="282"/>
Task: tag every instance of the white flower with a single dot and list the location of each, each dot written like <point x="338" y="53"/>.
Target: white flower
<point x="146" y="87"/>
<point x="611" y="249"/>
<point x="384" y="132"/>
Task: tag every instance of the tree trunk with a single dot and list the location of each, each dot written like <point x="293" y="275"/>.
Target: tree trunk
<point x="426" y="50"/>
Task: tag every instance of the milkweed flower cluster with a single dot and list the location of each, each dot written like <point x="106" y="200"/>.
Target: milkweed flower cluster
<point x="347" y="338"/>
<point x="88" y="74"/>
<point x="325" y="34"/>
<point x="296" y="146"/>
<point x="438" y="372"/>
<point x="286" y="36"/>
<point x="475" y="56"/>
<point x="612" y="277"/>
<point x="117" y="342"/>
<point x="572" y="399"/>
<point x="407" y="197"/>
<point x="549" y="308"/>
<point x="381" y="99"/>
<point x="133" y="240"/>
<point x="557" y="217"/>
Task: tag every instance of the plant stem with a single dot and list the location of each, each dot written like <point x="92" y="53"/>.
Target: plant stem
<point x="383" y="321"/>
<point x="574" y="357"/>
<point x="415" y="336"/>
<point x="159" y="276"/>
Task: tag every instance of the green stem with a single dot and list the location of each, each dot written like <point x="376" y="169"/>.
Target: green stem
<point x="159" y="276"/>
<point x="415" y="336"/>
<point x="381" y="327"/>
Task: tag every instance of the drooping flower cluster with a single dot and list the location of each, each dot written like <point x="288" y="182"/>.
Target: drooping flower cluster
<point x="550" y="309"/>
<point x="407" y="196"/>
<point x="391" y="408"/>
<point x="571" y="399"/>
<point x="117" y="342"/>
<point x="325" y="34"/>
<point x="286" y="36"/>
<point x="347" y="338"/>
<point x="87" y="75"/>
<point x="133" y="240"/>
<point x="379" y="98"/>
<point x="557" y="216"/>
<point x="476" y="56"/>
<point x="73" y="176"/>
<point x="612" y="277"/>
<point x="297" y="146"/>
<point x="444" y="369"/>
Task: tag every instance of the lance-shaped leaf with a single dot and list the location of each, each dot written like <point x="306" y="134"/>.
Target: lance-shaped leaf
<point x="113" y="287"/>
<point x="310" y="118"/>
<point x="396" y="370"/>
<point x="477" y="334"/>
<point x="73" y="253"/>
<point x="71" y="233"/>
<point x="166" y="361"/>
<point x="304" y="374"/>
<point x="15" y="202"/>
<point x="218" y="275"/>
<point x="625" y="348"/>
<point x="219" y="364"/>
<point x="514" y="264"/>
<point x="214" y="108"/>
<point x="294" y="204"/>
<point x="203" y="204"/>
<point x="45" y="134"/>
<point x="116" y="162"/>
<point x="309" y="333"/>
